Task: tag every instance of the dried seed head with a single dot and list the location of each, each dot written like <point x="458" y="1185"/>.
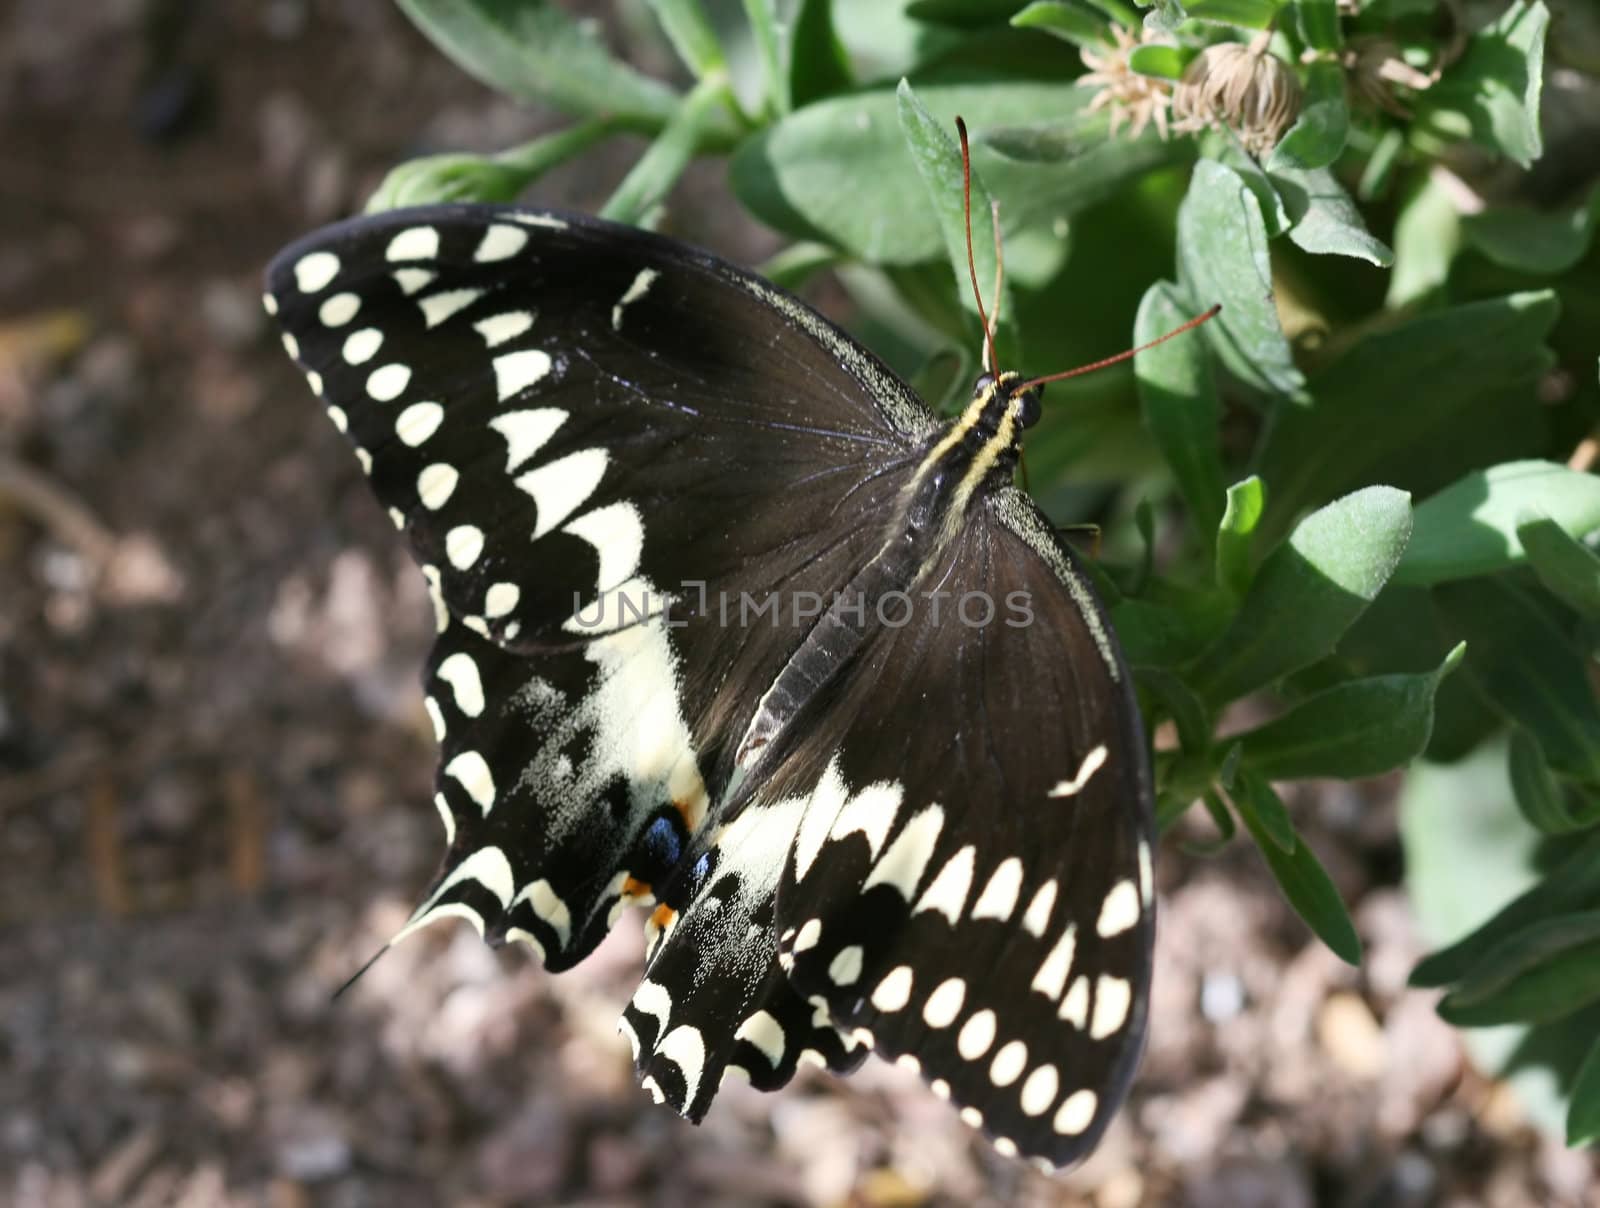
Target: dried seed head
<point x="1128" y="96"/>
<point x="1374" y="68"/>
<point x="1240" y="87"/>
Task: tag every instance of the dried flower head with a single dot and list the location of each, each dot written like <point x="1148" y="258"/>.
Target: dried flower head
<point x="1374" y="68"/>
<point x="1129" y="96"/>
<point x="1240" y="87"/>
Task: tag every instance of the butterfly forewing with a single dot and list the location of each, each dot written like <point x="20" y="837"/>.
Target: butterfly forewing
<point x="611" y="455"/>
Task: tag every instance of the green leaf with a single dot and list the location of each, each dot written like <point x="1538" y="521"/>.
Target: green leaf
<point x="1187" y="711"/>
<point x="658" y="169"/>
<point x="1378" y="171"/>
<point x="1541" y="796"/>
<point x="839" y="170"/>
<point x="1299" y="874"/>
<point x="1573" y="885"/>
<point x="1073" y="22"/>
<point x="1318" y="134"/>
<point x="764" y="32"/>
<point x="1263" y="811"/>
<point x="1566" y="566"/>
<point x="1166" y="634"/>
<point x="1307" y="593"/>
<point x="938" y="160"/>
<point x="1319" y="24"/>
<point x="1324" y="220"/>
<point x="1049" y="141"/>
<point x="1160" y="61"/>
<point x="1361" y="728"/>
<point x="1222" y="257"/>
<point x="1526" y="240"/>
<point x="692" y="36"/>
<point x="1491" y="94"/>
<point x="1427" y="236"/>
<point x="1400" y="389"/>
<point x="1528" y="666"/>
<point x="533" y="50"/>
<point x="1248" y="14"/>
<point x="1179" y="403"/>
<point x="1542" y="973"/>
<point x="1583" y="1118"/>
<point x="1471" y="528"/>
<point x="1236" y="532"/>
<point x="818" y="65"/>
<point x="964" y="14"/>
<point x="446" y="178"/>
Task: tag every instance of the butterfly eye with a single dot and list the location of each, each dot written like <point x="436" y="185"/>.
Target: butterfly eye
<point x="1030" y="405"/>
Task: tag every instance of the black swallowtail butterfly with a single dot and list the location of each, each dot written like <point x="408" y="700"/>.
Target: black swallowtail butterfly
<point x="730" y="625"/>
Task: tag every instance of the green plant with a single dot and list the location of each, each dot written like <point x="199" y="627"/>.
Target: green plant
<point x="1255" y="484"/>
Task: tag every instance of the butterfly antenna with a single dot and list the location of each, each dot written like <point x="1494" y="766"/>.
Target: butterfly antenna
<point x="999" y="263"/>
<point x="356" y="976"/>
<point x="972" y="264"/>
<point x="1123" y="356"/>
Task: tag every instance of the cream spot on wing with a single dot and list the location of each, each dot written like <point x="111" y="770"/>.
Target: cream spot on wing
<point x="1052" y="976"/>
<point x="516" y="371"/>
<point x="1037" y="917"/>
<point x="1075" y="1113"/>
<point x="626" y="1029"/>
<point x="617" y="534"/>
<point x="1005" y="1147"/>
<point x="1147" y="881"/>
<point x="365" y="460"/>
<point x="340" y="420"/>
<point x="561" y="487"/>
<point x="1039" y="1091"/>
<point x="1009" y="1063"/>
<point x="1112" y="998"/>
<point x="894" y="991"/>
<point x="436" y="484"/>
<point x="527" y="432"/>
<point x="387" y="384"/>
<point x="907" y="1062"/>
<point x="1075" y="1006"/>
<point x="947" y="892"/>
<point x="641" y="285"/>
<point x="1092" y="763"/>
<point x="971" y="1117"/>
<point x="500" y="242"/>
<point x="846" y="966"/>
<point x="314" y="271"/>
<point x="999" y="896"/>
<point x="685" y="1048"/>
<point x="500" y="599"/>
<point x="976" y="1035"/>
<point x="827" y="799"/>
<point x="410" y="280"/>
<point x="903" y="864"/>
<point x="472" y="773"/>
<point x="652" y="998"/>
<point x="269" y="304"/>
<point x="436" y="308"/>
<point x="339" y="309"/>
<point x="461" y="673"/>
<point x="463" y="544"/>
<point x="940" y="1088"/>
<point x="808" y="935"/>
<point x="497" y="329"/>
<point x="944" y="1004"/>
<point x="418" y="422"/>
<point x="445" y="816"/>
<point x="541" y="220"/>
<point x="291" y="345"/>
<point x="414" y="243"/>
<point x="547" y="904"/>
<point x="314" y="379"/>
<point x="872" y="812"/>
<point x="441" y="614"/>
<point x="1120" y="911"/>
<point x="434" y="716"/>
<point x="764" y="1032"/>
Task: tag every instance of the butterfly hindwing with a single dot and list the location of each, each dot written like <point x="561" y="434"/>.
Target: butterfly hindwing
<point x="970" y="887"/>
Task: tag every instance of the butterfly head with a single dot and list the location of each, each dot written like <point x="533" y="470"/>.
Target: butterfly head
<point x="1007" y="392"/>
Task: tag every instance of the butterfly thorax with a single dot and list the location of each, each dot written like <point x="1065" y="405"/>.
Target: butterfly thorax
<point x="975" y="452"/>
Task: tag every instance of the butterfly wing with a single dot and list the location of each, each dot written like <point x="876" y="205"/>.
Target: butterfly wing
<point x="957" y="855"/>
<point x="579" y="426"/>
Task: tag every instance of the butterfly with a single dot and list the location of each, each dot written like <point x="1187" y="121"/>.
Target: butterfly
<point x="733" y="628"/>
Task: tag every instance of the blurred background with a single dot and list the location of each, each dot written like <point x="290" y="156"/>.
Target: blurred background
<point x="215" y="768"/>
